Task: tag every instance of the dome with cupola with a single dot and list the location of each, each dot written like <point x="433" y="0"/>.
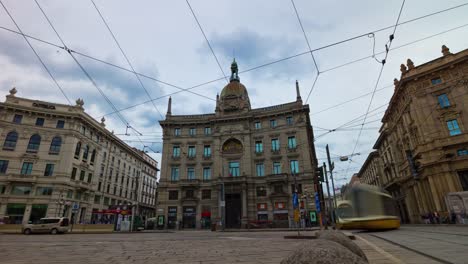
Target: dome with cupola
<point x="234" y="96"/>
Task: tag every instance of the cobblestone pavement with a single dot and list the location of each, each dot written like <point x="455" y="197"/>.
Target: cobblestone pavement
<point x="428" y="245"/>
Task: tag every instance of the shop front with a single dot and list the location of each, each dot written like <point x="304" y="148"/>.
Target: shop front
<point x="171" y="217"/>
<point x="206" y="218"/>
<point x="114" y="216"/>
<point x="15" y="213"/>
<point x="262" y="212"/>
<point x="280" y="215"/>
<point x="189" y="219"/>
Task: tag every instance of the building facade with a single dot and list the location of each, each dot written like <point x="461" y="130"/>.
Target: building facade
<point x="371" y="171"/>
<point x="423" y="143"/>
<point x="147" y="187"/>
<point x="56" y="160"/>
<point x="237" y="164"/>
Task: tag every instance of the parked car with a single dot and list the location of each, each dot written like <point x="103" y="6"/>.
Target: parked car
<point x="53" y="225"/>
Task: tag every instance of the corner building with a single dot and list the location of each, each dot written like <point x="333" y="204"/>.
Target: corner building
<point x="243" y="158"/>
<point x="56" y="160"/>
<point x="421" y="154"/>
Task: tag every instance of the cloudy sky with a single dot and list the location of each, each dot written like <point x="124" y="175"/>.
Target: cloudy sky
<point x="162" y="40"/>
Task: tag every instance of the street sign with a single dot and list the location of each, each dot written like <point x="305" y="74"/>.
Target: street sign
<point x="317" y="203"/>
<point x="75" y="206"/>
<point x="313" y="217"/>
<point x="295" y="200"/>
<point x="296" y="215"/>
<point x="222" y="203"/>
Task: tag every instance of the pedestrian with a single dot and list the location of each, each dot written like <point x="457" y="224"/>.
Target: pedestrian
<point x="436" y="217"/>
<point x="453" y="217"/>
<point x="431" y="218"/>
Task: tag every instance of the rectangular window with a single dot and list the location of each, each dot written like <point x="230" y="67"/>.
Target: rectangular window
<point x="463" y="175"/>
<point x="299" y="188"/>
<point x="278" y="188"/>
<point x="108" y="188"/>
<point x="276" y="167"/>
<point x="174" y="173"/>
<point x="462" y="152"/>
<point x="260" y="169"/>
<point x="82" y="175"/>
<point x="258" y="147"/>
<point x="2" y="189"/>
<point x="60" y="124"/>
<point x="207" y="173"/>
<point x="275" y="144"/>
<point x="190" y="173"/>
<point x="261" y="191"/>
<point x="97" y="199"/>
<point x="49" y="170"/>
<point x="106" y="200"/>
<point x="21" y="190"/>
<point x="207" y="130"/>
<point x="206" y="194"/>
<point x="73" y="176"/>
<point x="173" y="195"/>
<point x="17" y="119"/>
<point x="191" y="151"/>
<point x="99" y="186"/>
<point x="292" y="142"/>
<point x="44" y="191"/>
<point x="443" y="101"/>
<point x="176" y="151"/>
<point x="90" y="177"/>
<point x="176" y="132"/>
<point x="453" y="127"/>
<point x="3" y="166"/>
<point x="207" y="151"/>
<point x="294" y="165"/>
<point x="192" y="131"/>
<point x="189" y="194"/>
<point x="273" y="123"/>
<point x="436" y="80"/>
<point x="258" y="125"/>
<point x="27" y="168"/>
<point x="289" y="120"/>
<point x="78" y="195"/>
<point x="40" y="121"/>
<point x="234" y="169"/>
<point x="69" y="194"/>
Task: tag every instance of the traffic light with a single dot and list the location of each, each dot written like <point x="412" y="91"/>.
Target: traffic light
<point x="319" y="173"/>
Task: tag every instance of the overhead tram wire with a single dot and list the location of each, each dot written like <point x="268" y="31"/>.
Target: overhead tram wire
<point x="37" y="55"/>
<point x="126" y="58"/>
<point x="310" y="50"/>
<point x="250" y="69"/>
<point x="387" y="48"/>
<point x="333" y="68"/>
<point x="207" y="41"/>
<point x="85" y="72"/>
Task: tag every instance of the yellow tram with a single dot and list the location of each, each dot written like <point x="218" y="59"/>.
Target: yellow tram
<point x="367" y="207"/>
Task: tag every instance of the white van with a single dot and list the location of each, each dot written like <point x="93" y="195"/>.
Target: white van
<point x="52" y="225"/>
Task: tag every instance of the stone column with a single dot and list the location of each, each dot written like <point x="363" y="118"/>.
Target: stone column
<point x="27" y="213"/>
<point x="244" y="220"/>
<point x="3" y="208"/>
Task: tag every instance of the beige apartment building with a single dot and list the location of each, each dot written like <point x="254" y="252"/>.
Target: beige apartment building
<point x="56" y="160"/>
<point x="238" y="164"/>
<point x="422" y="151"/>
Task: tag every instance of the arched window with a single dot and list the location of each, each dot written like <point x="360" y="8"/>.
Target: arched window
<point x="10" y="140"/>
<point x="93" y="156"/>
<point x="34" y="143"/>
<point x="55" y="145"/>
<point x="77" y="150"/>
<point x="86" y="152"/>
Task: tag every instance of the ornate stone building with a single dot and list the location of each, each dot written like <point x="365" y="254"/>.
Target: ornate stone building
<point x="371" y="170"/>
<point x="243" y="158"/>
<point x="423" y="142"/>
<point x="56" y="160"/>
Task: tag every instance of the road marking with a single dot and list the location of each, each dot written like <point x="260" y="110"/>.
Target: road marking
<point x="381" y="251"/>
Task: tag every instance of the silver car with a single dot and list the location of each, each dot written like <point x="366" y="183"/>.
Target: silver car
<point x="53" y="225"/>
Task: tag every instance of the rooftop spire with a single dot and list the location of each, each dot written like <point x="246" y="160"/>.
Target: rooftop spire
<point x="298" y="92"/>
<point x="169" y="106"/>
<point x="234" y="71"/>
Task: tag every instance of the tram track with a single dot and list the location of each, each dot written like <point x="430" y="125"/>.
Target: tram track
<point x="443" y="233"/>
<point x="440" y="260"/>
